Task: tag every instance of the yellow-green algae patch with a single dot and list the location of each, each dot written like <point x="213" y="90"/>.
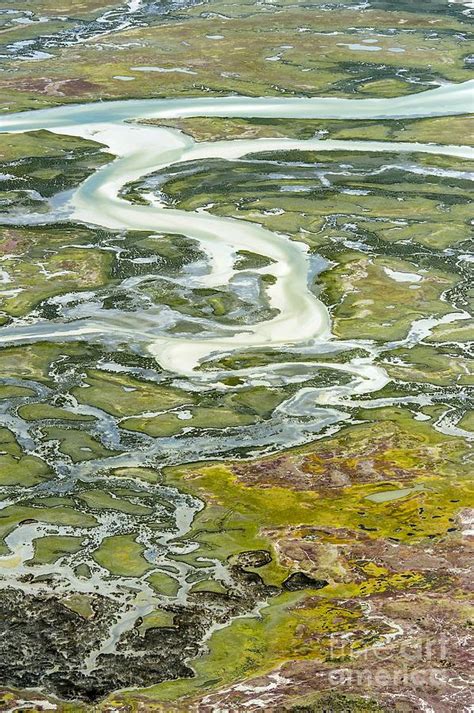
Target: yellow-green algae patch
<point x="156" y="619"/>
<point x="101" y="500"/>
<point x="170" y="424"/>
<point x="122" y="395"/>
<point x="427" y="364"/>
<point x="50" y="548"/>
<point x="369" y="303"/>
<point x="208" y="585"/>
<point x="8" y="391"/>
<point x="439" y="130"/>
<point x="461" y="331"/>
<point x="70" y="269"/>
<point x="467" y="421"/>
<point x="79" y="603"/>
<point x="33" y="361"/>
<point x="17" y="468"/>
<point x="42" y="144"/>
<point x="164" y="584"/>
<point x="147" y="474"/>
<point x="122" y="555"/>
<point x="14" y="515"/>
<point x="37" y="411"/>
<point x="78" y="445"/>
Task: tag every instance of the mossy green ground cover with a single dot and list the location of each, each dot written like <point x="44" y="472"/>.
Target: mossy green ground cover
<point x="440" y="130"/>
<point x="254" y="49"/>
<point x="121" y="555"/>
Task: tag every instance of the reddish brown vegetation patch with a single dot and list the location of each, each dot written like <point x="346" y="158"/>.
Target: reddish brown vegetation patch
<point x="386" y="453"/>
<point x="58" y="88"/>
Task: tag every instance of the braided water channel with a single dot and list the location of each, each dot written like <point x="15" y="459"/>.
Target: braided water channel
<point x="295" y="322"/>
